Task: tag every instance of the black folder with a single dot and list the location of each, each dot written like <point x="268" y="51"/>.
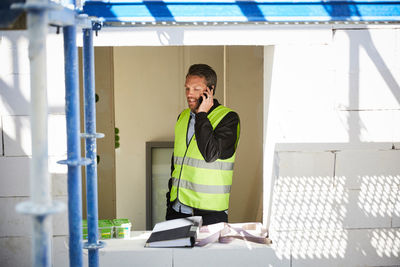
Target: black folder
<point x="175" y="233"/>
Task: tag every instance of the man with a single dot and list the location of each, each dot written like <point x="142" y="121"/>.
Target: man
<point x="206" y="137"/>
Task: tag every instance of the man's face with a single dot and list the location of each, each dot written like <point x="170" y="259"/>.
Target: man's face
<point x="195" y="86"/>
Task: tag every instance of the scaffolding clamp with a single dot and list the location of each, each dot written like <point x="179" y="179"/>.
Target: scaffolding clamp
<point x="40" y="210"/>
<point x="76" y="162"/>
<point x="92" y="135"/>
<point x="97" y="24"/>
<point x="89" y="246"/>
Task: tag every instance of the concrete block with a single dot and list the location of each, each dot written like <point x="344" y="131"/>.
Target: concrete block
<point x="368" y="126"/>
<point x="216" y="255"/>
<point x="55" y="74"/>
<point x="301" y="210"/>
<point x="319" y="130"/>
<point x="14" y="179"/>
<point x="313" y="165"/>
<point x="368" y="169"/>
<point x="59" y="176"/>
<point x="303" y="77"/>
<point x="373" y="247"/>
<point x="364" y="209"/>
<point x="15" y="92"/>
<point x="366" y="90"/>
<point x="57" y="135"/>
<point x="15" y="251"/>
<point x="396" y="215"/>
<point x="12" y="223"/>
<point x="396" y="128"/>
<point x="304" y="196"/>
<point x="132" y="252"/>
<point x="14" y="52"/>
<point x="60" y="220"/>
<point x="319" y="127"/>
<point x="1" y="139"/>
<point x="17" y="135"/>
<point x="16" y="95"/>
<point x="373" y="178"/>
<point x="60" y="251"/>
<point x="364" y="50"/>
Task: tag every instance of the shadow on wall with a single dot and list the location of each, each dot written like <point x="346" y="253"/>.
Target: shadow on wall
<point x="312" y="216"/>
<point x="343" y="216"/>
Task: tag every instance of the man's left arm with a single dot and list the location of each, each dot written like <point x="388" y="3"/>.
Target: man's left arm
<point x="219" y="143"/>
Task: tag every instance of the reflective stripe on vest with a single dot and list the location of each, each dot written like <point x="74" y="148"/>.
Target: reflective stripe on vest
<point x="198" y="163"/>
<point x="197" y="183"/>
<point x="209" y="189"/>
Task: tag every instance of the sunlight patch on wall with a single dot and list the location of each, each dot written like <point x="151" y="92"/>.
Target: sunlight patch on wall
<point x="386" y="242"/>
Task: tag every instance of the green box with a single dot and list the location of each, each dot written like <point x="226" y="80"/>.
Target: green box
<point x="122" y="228"/>
<point x="105" y="229"/>
<point x="84" y="229"/>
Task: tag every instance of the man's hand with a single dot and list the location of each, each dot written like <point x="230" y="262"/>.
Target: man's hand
<point x="207" y="102"/>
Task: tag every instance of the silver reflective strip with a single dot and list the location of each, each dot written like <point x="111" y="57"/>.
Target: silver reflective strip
<point x="178" y="160"/>
<point x="201" y="188"/>
<point x="198" y="163"/>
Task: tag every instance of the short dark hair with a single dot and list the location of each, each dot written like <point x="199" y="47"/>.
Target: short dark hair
<point x="203" y="70"/>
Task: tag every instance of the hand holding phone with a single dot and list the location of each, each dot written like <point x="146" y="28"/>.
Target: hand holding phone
<point x="201" y="99"/>
<point x="205" y="95"/>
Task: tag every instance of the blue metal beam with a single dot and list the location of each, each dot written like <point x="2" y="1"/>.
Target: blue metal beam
<point x="73" y="147"/>
<point x="91" y="151"/>
<point x="244" y="11"/>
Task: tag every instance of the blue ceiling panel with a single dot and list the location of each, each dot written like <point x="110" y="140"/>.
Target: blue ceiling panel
<point x="244" y="11"/>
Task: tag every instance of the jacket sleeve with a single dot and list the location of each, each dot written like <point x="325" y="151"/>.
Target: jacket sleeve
<point x="219" y="143"/>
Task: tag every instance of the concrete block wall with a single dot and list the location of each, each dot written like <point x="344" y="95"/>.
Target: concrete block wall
<point x="15" y="143"/>
<point x="336" y="192"/>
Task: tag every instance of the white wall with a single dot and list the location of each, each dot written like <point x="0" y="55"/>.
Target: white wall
<point x="15" y="150"/>
<point x="333" y="130"/>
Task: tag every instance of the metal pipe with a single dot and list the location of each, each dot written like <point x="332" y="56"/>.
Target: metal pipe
<point x="91" y="150"/>
<point x="73" y="146"/>
<point x="39" y="176"/>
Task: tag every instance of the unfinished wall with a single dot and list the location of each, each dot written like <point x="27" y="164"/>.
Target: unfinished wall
<point x="15" y="144"/>
<point x="149" y="95"/>
<point x="334" y="124"/>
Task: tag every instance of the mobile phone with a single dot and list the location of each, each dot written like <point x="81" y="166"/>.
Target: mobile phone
<point x="201" y="99"/>
<point x="205" y="95"/>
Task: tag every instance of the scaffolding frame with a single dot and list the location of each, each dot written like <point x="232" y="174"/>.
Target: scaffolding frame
<point x="41" y="14"/>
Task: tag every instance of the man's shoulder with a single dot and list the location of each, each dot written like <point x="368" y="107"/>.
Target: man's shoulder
<point x="230" y="113"/>
<point x="183" y="112"/>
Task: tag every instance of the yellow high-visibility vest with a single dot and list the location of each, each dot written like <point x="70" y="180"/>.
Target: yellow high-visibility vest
<point x="195" y="182"/>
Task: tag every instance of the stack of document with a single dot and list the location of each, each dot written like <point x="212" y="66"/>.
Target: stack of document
<point x="175" y="233"/>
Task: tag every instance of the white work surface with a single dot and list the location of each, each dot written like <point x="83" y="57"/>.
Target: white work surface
<point x="131" y="252"/>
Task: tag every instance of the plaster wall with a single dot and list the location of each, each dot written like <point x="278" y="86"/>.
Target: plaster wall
<point x="333" y="139"/>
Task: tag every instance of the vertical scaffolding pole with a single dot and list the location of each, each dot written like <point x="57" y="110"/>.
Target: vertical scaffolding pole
<point x="39" y="177"/>
<point x="91" y="150"/>
<point x="73" y="147"/>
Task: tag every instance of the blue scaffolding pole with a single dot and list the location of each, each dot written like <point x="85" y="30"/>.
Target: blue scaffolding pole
<point x="74" y="160"/>
<point x="90" y="134"/>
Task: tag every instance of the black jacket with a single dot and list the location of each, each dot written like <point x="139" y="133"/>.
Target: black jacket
<point x="219" y="143"/>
